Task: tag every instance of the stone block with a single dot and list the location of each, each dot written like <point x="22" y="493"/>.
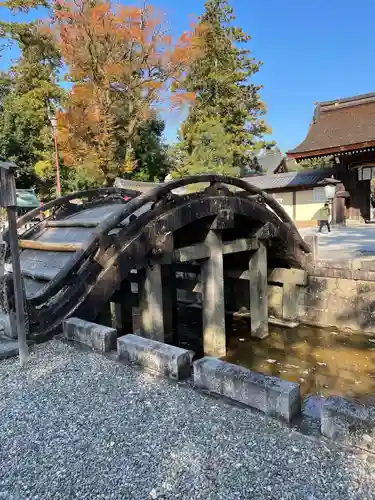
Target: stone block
<point x="271" y="395"/>
<point x="165" y="359"/>
<point x="99" y="337"/>
<point x="316" y="284"/>
<point x="8" y="325"/>
<point x="275" y="295"/>
<point x="334" y="264"/>
<point x="282" y="276"/>
<point x="8" y="347"/>
<point x="345" y="288"/>
<point x="343" y="419"/>
<point x="365" y="287"/>
<point x="330" y="272"/>
<point x="365" y="264"/>
<point x="364" y="275"/>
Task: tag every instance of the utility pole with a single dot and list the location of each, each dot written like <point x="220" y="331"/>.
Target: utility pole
<point x="53" y="121"/>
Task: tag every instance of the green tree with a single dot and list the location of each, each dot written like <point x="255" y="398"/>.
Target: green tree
<point x="314" y="163"/>
<point x="24" y="5"/>
<point x="211" y="151"/>
<point x="104" y="129"/>
<point x="27" y="93"/>
<point x="120" y="61"/>
<point x="149" y="152"/>
<point x="221" y="81"/>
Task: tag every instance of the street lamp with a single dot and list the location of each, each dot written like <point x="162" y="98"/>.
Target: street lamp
<point x="330" y="190"/>
<point x="330" y="184"/>
<point x="53" y="121"/>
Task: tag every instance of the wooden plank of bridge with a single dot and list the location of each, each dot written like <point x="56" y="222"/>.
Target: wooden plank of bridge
<point x="213" y="306"/>
<point x="71" y="223"/>
<point x="258" y="283"/>
<point x="49" y="246"/>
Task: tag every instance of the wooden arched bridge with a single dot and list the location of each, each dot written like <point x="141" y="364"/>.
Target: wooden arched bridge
<point x="84" y="256"/>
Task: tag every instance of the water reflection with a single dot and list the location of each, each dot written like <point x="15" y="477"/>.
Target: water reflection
<point x="322" y="361"/>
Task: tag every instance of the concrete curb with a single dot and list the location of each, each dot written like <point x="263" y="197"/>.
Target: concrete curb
<point x="100" y="338"/>
<point x="343" y="421"/>
<point x="165" y="359"/>
<point x="271" y="395"/>
<point x="347" y="422"/>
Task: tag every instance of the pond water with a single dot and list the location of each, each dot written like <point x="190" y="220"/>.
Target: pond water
<point x="322" y="361"/>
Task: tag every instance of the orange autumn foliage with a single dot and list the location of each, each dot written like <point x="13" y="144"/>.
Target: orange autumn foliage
<point x="121" y="63"/>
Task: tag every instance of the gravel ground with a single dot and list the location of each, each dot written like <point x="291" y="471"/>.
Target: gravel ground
<point x="77" y="425"/>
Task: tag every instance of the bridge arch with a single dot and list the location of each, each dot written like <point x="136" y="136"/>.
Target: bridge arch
<point x="77" y="258"/>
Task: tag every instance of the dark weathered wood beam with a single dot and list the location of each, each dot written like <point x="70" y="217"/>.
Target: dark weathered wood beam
<point x="202" y="250"/>
<point x="194" y="252"/>
<point x="276" y="275"/>
<point x="224" y="220"/>
<point x="240" y="245"/>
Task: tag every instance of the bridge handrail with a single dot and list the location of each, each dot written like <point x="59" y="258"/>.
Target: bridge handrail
<point x="62" y="200"/>
<point x="155" y="194"/>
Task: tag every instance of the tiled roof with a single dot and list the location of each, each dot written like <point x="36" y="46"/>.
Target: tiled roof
<point x="290" y="179"/>
<point x="269" y="160"/>
<point x="338" y="125"/>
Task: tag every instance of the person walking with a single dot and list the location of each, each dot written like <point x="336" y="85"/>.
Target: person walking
<point x="372" y="200"/>
<point x="324" y="215"/>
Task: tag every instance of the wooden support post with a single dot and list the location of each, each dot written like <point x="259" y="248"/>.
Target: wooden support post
<point x="213" y="306"/>
<point x="121" y="309"/>
<point x="105" y="315"/>
<point x="18" y="286"/>
<point x="291" y="293"/>
<point x="158" y="303"/>
<point x="170" y="314"/>
<point x="259" y="292"/>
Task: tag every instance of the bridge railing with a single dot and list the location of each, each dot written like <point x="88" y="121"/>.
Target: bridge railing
<point x="64" y="200"/>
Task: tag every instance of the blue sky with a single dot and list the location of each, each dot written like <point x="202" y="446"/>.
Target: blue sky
<point x="312" y="50"/>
